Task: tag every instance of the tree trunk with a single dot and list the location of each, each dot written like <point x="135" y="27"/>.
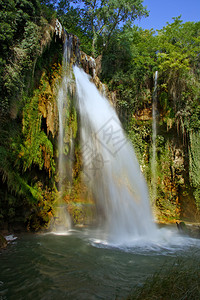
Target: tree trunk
<point x="94" y="44"/>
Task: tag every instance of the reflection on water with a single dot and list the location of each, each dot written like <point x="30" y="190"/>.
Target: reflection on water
<point x="80" y="265"/>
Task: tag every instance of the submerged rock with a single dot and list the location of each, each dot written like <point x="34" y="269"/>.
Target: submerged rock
<point x="194" y="231"/>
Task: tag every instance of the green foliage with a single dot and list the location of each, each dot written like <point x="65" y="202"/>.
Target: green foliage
<point x="37" y="148"/>
<point x="31" y="41"/>
<point x="139" y="134"/>
<point x="27" y="163"/>
<point x="70" y="18"/>
<point x="194" y="156"/>
<point x="16" y="190"/>
<point x="81" y="213"/>
<point x="10" y="173"/>
<point x="70" y="127"/>
<point x="40" y="215"/>
<point x="24" y="55"/>
<point x="177" y="61"/>
<point x="8" y="27"/>
<point x="169" y="170"/>
<point x="128" y="66"/>
<point x="166" y="175"/>
<point x="133" y="55"/>
<point x="101" y="18"/>
<point x="48" y="8"/>
<point x="21" y="29"/>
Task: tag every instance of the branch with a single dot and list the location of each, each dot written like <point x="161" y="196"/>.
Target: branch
<point x="113" y="27"/>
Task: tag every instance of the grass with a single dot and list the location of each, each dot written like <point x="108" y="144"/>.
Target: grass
<point x="181" y="281"/>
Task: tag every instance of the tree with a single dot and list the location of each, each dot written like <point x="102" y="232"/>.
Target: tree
<point x="102" y="17"/>
<point x="178" y="65"/>
<point x="128" y="64"/>
<point x="14" y="18"/>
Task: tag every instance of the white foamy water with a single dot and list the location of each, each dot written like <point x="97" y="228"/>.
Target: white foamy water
<point x="62" y="218"/>
<point x="10" y="238"/>
<point x="111" y="169"/>
<point x="164" y="242"/>
<point x="154" y="134"/>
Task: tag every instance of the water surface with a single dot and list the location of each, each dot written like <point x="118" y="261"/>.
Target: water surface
<point x="79" y="266"/>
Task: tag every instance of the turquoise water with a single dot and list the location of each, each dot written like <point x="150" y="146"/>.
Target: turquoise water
<point x="79" y="266"/>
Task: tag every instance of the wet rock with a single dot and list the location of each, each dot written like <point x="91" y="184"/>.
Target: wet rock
<point x="98" y="61"/>
<point x="194" y="231"/>
<point x="182" y="228"/>
<point x="88" y="64"/>
<point x="93" y="68"/>
<point x="191" y="230"/>
<point x="58" y="29"/>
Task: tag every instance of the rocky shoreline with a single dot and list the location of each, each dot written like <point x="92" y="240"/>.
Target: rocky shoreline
<point x="188" y="229"/>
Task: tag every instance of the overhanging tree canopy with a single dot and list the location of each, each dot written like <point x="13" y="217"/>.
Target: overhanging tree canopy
<point x="100" y="18"/>
<point x="105" y="15"/>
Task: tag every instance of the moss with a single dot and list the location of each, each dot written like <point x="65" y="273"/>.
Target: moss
<point x="27" y="167"/>
<point x="165" y="178"/>
<point x="81" y="213"/>
<point x="3" y="242"/>
<point x="194" y="159"/>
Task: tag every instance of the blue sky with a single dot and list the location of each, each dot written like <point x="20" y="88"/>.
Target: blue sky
<point x="163" y="11"/>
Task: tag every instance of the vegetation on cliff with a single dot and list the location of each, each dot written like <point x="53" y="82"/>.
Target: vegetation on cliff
<point x="27" y="156"/>
<point x="128" y="67"/>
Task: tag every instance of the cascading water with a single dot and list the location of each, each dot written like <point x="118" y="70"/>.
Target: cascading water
<point x="62" y="218"/>
<point x="111" y="168"/>
<point x="62" y="112"/>
<point x="154" y="134"/>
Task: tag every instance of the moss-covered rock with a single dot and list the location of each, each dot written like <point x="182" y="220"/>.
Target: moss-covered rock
<point x="3" y="242"/>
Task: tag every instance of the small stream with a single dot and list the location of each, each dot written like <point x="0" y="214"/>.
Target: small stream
<point x="78" y="265"/>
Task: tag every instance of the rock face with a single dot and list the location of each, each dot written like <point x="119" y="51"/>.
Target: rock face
<point x="93" y="68"/>
<point x="170" y="171"/>
<point x="191" y="230"/>
<point x="173" y="196"/>
<point x="90" y="65"/>
<point x="3" y="242"/>
<point x="47" y="103"/>
<point x="38" y="152"/>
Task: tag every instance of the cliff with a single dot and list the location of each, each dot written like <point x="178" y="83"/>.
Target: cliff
<point x="29" y="183"/>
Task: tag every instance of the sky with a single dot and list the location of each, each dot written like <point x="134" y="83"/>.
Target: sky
<point x="162" y="11"/>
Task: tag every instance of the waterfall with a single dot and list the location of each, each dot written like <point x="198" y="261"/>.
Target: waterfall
<point x="154" y="134"/>
<point x="111" y="168"/>
<point x="63" y="104"/>
<point x="62" y="217"/>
